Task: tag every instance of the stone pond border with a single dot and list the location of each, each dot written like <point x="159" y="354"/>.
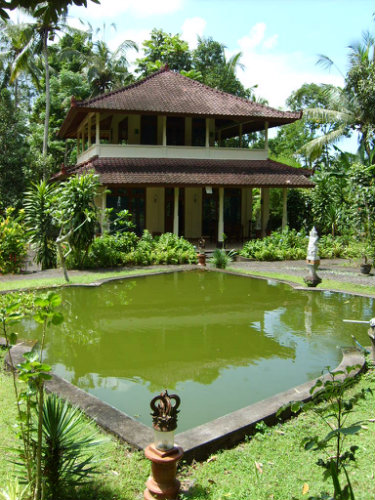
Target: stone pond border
<point x="201" y="441"/>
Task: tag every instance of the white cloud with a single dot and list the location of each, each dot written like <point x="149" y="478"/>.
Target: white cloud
<point x="140" y="8"/>
<point x="254" y="38"/>
<point x="277" y="74"/>
<point x="191" y="29"/>
<point x="270" y="42"/>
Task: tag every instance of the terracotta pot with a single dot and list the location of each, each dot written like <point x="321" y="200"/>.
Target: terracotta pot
<point x="201" y="259"/>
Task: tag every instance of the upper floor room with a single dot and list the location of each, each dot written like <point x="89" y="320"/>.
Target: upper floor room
<point x="167" y="115"/>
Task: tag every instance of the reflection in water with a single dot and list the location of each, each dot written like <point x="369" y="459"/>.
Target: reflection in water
<point x="222" y="340"/>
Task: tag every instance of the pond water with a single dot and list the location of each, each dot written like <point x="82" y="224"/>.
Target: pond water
<point x="220" y="341"/>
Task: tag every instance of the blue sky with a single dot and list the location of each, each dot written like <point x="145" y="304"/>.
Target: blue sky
<point x="280" y="39"/>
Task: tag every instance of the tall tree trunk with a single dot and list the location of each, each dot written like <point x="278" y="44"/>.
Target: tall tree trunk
<point x="16" y="93"/>
<point x="48" y="98"/>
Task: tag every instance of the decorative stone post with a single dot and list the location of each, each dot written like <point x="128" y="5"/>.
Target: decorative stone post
<point x="163" y="454"/>
<point x="371" y="334"/>
<point x="313" y="260"/>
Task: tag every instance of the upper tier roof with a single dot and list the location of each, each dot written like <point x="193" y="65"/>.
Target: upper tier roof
<point x="167" y="92"/>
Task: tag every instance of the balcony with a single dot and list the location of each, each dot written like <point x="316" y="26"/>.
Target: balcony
<point x="194" y="152"/>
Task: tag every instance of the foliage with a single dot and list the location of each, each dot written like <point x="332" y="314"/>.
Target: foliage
<point x="334" y="413"/>
<point x="363" y="203"/>
<point x="350" y="108"/>
<point x="76" y="217"/>
<point x="292" y="245"/>
<point x="125" y="248"/>
<point x="207" y="63"/>
<point x="14" y="491"/>
<point x="39" y="207"/>
<point x="13" y="152"/>
<point x="56" y="9"/>
<point x="220" y="258"/>
<point x="13" y="242"/>
<point x="65" y="458"/>
<point x="286" y="245"/>
<point x="51" y="453"/>
<point x="164" y="48"/>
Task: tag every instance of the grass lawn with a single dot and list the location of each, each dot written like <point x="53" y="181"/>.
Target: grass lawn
<point x="76" y="279"/>
<point x="326" y="284"/>
<point x="271" y="465"/>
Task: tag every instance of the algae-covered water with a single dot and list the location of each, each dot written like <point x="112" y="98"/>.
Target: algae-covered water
<point x="220" y="341"/>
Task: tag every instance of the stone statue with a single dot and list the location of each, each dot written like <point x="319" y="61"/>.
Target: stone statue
<point x="312" y="249"/>
<point x="312" y="260"/>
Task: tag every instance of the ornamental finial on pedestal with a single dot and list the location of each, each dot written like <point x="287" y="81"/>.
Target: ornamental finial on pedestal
<point x="164" y="413"/>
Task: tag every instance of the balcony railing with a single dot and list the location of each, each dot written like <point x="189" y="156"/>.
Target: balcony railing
<point x="194" y="152"/>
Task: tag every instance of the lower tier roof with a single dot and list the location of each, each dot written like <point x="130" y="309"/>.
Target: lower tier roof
<point x="191" y="172"/>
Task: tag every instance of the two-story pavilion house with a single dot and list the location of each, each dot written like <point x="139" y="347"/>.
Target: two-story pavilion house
<point x="157" y="148"/>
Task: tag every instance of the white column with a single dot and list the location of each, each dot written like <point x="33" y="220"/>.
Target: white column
<point x="266" y="136"/>
<point x="164" y="130"/>
<point x="284" y="222"/>
<point x="220" y="229"/>
<point x="207" y="132"/>
<point x="240" y="134"/>
<point x="97" y="128"/>
<point x="89" y="132"/>
<point x="175" y="210"/>
<point x="265" y="203"/>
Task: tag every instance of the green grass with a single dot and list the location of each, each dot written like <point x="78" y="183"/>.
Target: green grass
<point x="286" y="466"/>
<point x="230" y="474"/>
<point x="83" y="278"/>
<point x="326" y="284"/>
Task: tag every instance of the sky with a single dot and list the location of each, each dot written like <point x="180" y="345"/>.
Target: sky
<point x="280" y="40"/>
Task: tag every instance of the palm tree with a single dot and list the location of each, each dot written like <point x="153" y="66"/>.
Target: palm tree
<point x="14" y="59"/>
<point x="108" y="70"/>
<point x="351" y="108"/>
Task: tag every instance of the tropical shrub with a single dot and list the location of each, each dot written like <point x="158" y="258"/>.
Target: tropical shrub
<point x="286" y="245"/>
<point x="77" y="216"/>
<point x="220" y="258"/>
<point x="292" y="245"/>
<point x="108" y="251"/>
<point x="39" y="206"/>
<point x="13" y="242"/>
<point x="126" y="249"/>
<point x="66" y="443"/>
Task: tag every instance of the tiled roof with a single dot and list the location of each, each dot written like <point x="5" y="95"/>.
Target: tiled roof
<point x="192" y="172"/>
<point x="170" y="93"/>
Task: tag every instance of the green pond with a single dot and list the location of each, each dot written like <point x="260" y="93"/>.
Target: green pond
<point x="220" y="341"/>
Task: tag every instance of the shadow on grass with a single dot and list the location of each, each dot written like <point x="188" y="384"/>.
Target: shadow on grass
<point x="98" y="490"/>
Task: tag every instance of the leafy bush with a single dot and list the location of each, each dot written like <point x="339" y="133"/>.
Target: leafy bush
<point x="126" y="249"/>
<point x="286" y="245"/>
<point x="292" y="245"/>
<point x="107" y="251"/>
<point x="13" y="242"/>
